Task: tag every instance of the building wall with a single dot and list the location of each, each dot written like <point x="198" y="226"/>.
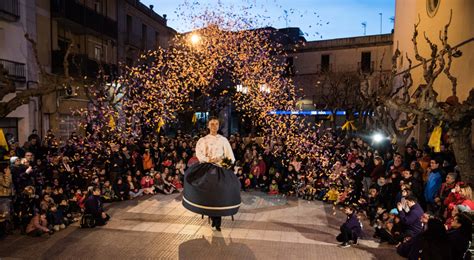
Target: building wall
<point x="461" y="29"/>
<point x="344" y="56"/>
<point x="131" y="44"/>
<point x="14" y="47"/>
<point x="43" y="27"/>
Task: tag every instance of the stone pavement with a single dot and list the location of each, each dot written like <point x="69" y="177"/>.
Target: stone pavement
<point x="266" y="227"/>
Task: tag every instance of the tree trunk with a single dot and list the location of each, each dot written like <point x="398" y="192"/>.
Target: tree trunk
<point x="460" y="138"/>
<point x="401" y="143"/>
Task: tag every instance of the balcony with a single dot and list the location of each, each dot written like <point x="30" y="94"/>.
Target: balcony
<point x="16" y="70"/>
<point x="72" y="11"/>
<point x="9" y="10"/>
<point x="79" y="65"/>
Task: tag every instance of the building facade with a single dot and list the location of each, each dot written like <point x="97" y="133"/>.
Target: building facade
<point x="140" y="29"/>
<point x="16" y="57"/>
<point x="103" y="34"/>
<point x="432" y="16"/>
<point x="316" y="63"/>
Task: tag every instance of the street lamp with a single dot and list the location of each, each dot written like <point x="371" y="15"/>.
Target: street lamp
<point x="195" y="38"/>
<point x="378" y="137"/>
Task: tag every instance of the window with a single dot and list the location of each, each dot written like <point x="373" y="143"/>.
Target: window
<point x="432" y="7"/>
<point x="157" y="39"/>
<point x="98" y="52"/>
<point x="10" y="128"/>
<point x="325" y="63"/>
<point x="97" y="6"/>
<point x="144" y="37"/>
<point x="366" y="62"/>
<point x="129" y="61"/>
<point x="290" y="67"/>
<point x="129" y="28"/>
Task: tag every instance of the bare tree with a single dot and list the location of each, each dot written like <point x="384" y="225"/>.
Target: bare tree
<point x="47" y="83"/>
<point x="424" y="103"/>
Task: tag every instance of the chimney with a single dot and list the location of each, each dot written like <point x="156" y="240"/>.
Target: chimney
<point x="164" y="16"/>
<point x="151" y="7"/>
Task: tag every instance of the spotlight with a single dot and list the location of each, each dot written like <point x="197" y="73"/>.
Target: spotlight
<point x="378" y="137"/>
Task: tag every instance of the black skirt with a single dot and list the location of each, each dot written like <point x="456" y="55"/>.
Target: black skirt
<point x="211" y="190"/>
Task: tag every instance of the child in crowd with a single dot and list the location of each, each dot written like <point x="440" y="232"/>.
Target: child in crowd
<point x="351" y="230"/>
<point x="273" y="188"/>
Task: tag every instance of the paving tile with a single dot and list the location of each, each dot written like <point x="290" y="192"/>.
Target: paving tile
<point x="160" y="228"/>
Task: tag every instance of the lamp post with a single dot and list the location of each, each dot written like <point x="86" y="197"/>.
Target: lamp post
<point x="380" y="23"/>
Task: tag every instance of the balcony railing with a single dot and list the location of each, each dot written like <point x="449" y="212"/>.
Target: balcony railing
<point x="80" y="14"/>
<point x="16" y="70"/>
<point x="9" y="10"/>
<point x="80" y="65"/>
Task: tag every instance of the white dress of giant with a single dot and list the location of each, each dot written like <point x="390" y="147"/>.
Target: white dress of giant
<point x="214" y="146"/>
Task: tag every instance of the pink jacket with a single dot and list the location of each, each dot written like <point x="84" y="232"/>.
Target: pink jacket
<point x="147" y="184"/>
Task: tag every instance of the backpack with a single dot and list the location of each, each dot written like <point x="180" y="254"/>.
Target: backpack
<point x="87" y="221"/>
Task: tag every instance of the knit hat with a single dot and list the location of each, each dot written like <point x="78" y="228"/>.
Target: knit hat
<point x="394" y="211"/>
<point x="463" y="208"/>
<point x="13" y="159"/>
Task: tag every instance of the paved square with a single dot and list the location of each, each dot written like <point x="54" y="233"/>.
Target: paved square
<point x="266" y="227"/>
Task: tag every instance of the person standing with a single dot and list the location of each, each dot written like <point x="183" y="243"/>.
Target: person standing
<point x="211" y="189"/>
<point x="213" y="148"/>
<point x="433" y="184"/>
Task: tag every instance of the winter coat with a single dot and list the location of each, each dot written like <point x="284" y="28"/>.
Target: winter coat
<point x="93" y="206"/>
<point x="36" y="223"/>
<point x="411" y="219"/>
<point x="353" y="224"/>
<point x="432" y="186"/>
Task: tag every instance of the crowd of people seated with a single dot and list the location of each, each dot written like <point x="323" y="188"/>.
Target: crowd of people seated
<point x="46" y="185"/>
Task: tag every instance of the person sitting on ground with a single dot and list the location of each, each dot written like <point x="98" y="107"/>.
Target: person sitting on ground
<point x="55" y="219"/>
<point x="93" y="206"/>
<point x="147" y="184"/>
<point x="121" y="189"/>
<point x="108" y="194"/>
<point x="38" y="225"/>
<point x="410" y="220"/>
<point x="351" y="230"/>
<point x="273" y="188"/>
<point x="135" y="188"/>
<point x="177" y="183"/>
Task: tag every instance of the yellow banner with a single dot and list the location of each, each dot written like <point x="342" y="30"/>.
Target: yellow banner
<point x="3" y="140"/>
<point x="435" y="139"/>
<point x="349" y="126"/>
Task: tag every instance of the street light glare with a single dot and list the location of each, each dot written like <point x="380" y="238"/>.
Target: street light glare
<point x="195" y="39"/>
<point x="377" y="137"/>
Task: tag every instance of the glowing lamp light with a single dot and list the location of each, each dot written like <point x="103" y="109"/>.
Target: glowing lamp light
<point x="378" y="137"/>
<point x="195" y="39"/>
